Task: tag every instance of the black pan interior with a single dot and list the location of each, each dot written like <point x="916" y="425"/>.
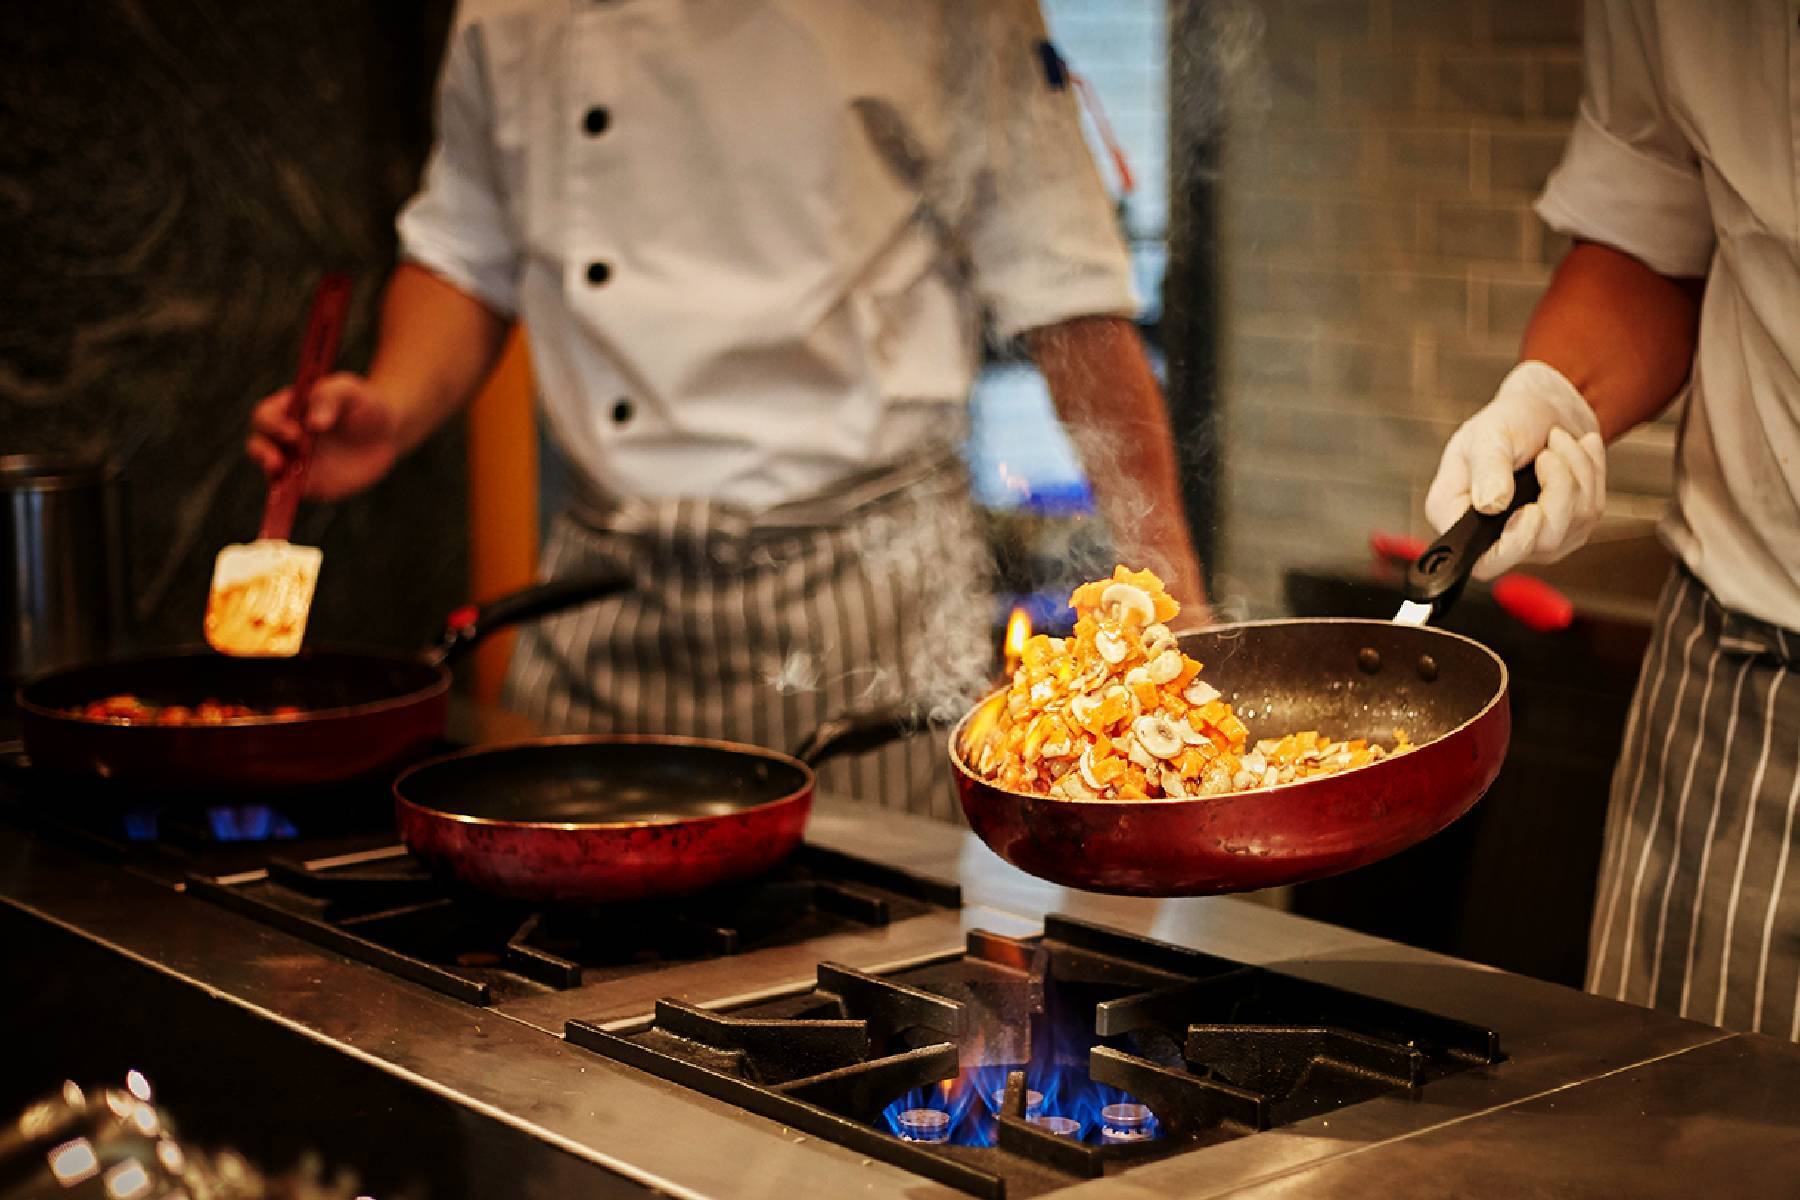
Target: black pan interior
<point x="1347" y="679"/>
<point x="317" y="679"/>
<point x="602" y="782"/>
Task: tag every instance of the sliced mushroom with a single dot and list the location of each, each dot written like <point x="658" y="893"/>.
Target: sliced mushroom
<point x="1128" y="597"/>
<point x="1135" y="751"/>
<point x="1075" y="787"/>
<point x="1200" y="692"/>
<point x="1174" y="786"/>
<point x="1157" y="735"/>
<point x="1157" y="638"/>
<point x="1112" y="646"/>
<point x="1165" y="667"/>
<point x="1058" y="749"/>
<point x="1082" y="708"/>
<point x="1086" y="769"/>
<point x="1136" y="676"/>
<point x="1190" y="735"/>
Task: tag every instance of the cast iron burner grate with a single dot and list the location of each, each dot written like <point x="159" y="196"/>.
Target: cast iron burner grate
<point x="1024" y="1065"/>
<point x="384" y="908"/>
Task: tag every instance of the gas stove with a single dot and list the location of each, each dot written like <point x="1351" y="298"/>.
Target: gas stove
<point x="1025" y="1064"/>
<point x="892" y="1013"/>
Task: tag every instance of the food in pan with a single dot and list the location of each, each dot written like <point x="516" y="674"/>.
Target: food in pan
<point x="129" y="710"/>
<point x="1117" y="712"/>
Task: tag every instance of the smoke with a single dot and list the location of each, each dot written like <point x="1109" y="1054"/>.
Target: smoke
<point x="1219" y="77"/>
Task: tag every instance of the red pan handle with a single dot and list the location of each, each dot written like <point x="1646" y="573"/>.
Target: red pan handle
<point x="324" y="326"/>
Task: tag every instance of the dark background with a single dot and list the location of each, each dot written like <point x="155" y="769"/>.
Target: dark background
<point x="174" y="177"/>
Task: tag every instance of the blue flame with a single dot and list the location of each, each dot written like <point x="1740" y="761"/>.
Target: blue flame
<point x="248" y="823"/>
<point x="972" y="1101"/>
<point x="971" y="1124"/>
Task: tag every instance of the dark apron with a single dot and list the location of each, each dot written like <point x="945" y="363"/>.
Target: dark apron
<point x="754" y="627"/>
<point x="1698" y="909"/>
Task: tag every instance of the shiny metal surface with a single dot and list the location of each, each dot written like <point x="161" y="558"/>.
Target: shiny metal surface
<point x="1564" y="1048"/>
<point x="60" y="544"/>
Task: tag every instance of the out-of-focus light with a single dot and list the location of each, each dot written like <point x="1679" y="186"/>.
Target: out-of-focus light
<point x="73" y="1162"/>
<point x="126" y="1180"/>
<point x="137" y="1085"/>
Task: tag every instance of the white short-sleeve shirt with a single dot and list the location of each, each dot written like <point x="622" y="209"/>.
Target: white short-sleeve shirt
<point x="752" y="239"/>
<point x="1684" y="156"/>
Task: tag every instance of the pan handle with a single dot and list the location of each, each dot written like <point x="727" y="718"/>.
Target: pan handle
<point x="1438" y="575"/>
<point x="472" y="622"/>
<point x="855" y="732"/>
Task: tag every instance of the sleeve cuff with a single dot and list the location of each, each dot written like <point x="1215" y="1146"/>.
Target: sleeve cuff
<point x="1044" y="302"/>
<point x="1606" y="191"/>
<point x="494" y="286"/>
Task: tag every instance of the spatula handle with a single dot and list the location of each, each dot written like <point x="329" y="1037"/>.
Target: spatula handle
<point x="324" y="326"/>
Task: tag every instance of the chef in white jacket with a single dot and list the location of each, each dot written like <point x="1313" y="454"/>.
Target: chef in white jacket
<point x="1680" y="186"/>
<point x="753" y="243"/>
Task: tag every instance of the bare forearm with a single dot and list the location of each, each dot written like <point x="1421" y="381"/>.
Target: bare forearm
<point x="1623" y="334"/>
<point x="1103" y="388"/>
<point x="437" y="345"/>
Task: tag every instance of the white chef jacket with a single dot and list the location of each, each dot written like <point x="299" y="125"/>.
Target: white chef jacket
<point x="752" y="239"/>
<point x="1684" y="156"/>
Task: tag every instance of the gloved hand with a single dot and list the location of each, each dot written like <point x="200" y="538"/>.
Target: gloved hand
<point x="1535" y="414"/>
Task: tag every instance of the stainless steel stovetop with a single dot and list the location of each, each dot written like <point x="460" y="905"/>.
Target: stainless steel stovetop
<point x="1590" y="1097"/>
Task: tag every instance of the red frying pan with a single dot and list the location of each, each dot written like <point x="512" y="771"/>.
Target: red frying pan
<point x="359" y="710"/>
<point x="595" y="818"/>
<point x="1346" y="678"/>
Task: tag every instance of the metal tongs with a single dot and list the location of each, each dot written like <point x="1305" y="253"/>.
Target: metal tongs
<point x="1436" y="578"/>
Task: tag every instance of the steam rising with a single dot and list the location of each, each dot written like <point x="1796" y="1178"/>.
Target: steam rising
<point x="1218" y="71"/>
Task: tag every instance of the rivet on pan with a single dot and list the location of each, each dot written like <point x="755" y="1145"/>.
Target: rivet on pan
<point x="1369" y="659"/>
<point x="1428" y="669"/>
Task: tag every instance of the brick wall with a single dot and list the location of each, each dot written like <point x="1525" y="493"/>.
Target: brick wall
<point x="1378" y="260"/>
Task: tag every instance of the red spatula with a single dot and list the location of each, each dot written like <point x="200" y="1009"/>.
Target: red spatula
<point x="262" y="591"/>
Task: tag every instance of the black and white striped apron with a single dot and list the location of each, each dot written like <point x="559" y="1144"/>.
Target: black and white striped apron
<point x="1698" y="909"/>
<point x="755" y="627"/>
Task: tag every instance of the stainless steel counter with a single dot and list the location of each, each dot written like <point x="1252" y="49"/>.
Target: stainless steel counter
<point x="1595" y="1098"/>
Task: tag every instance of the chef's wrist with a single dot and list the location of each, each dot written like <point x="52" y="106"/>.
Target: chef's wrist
<point x="1538" y="383"/>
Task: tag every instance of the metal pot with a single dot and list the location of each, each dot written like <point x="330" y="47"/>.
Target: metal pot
<point x="60" y="542"/>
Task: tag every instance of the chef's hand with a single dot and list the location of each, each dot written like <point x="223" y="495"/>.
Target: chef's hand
<point x="354" y="436"/>
<point x="1536" y="414"/>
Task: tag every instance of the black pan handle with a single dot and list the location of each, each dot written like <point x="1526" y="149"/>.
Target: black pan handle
<point x="855" y="732"/>
<point x="1438" y="576"/>
<point x="472" y="622"/>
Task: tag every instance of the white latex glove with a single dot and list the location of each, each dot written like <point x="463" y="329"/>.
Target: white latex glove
<point x="1535" y="414"/>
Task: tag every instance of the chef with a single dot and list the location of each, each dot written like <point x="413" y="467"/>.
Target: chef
<point x="1679" y="188"/>
<point x="754" y="244"/>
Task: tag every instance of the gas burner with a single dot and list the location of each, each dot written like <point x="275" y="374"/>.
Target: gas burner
<point x="383" y="907"/>
<point x="1025" y="1064"/>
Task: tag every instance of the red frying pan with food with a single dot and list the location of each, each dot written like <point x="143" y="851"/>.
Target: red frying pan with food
<point x="605" y="817"/>
<point x="319" y="717"/>
<point x="1345" y="678"/>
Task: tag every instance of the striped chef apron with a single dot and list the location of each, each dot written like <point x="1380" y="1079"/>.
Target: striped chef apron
<point x="756" y="627"/>
<point x="1698" y="909"/>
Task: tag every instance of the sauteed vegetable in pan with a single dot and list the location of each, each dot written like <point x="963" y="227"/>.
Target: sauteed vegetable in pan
<point x="1116" y="711"/>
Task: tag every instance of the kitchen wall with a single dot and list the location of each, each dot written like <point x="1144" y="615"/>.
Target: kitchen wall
<point x="1378" y="261"/>
<point x="173" y="179"/>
